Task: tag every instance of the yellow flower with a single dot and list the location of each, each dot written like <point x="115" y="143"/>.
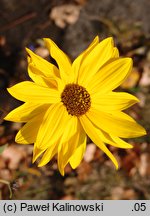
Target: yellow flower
<point x="64" y="104"/>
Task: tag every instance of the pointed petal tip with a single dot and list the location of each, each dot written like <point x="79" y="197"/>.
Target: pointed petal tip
<point x="6" y="118"/>
<point x="33" y="161"/>
<point x="16" y="138"/>
<point x="62" y="173"/>
<point x="10" y="89"/>
<point x="144" y="132"/>
<point x="40" y="164"/>
<point x="125" y="60"/>
<point x="34" y="158"/>
<point x="96" y="39"/>
<point x="134" y="100"/>
<point x="110" y="40"/>
<point x="115" y="162"/>
<point x="47" y="41"/>
<point x="61" y="170"/>
<point x="129" y="61"/>
<point x="46" y="38"/>
<point x="20" y="140"/>
<point x="117" y="166"/>
<point x="137" y="100"/>
<point x="130" y="146"/>
<point x="28" y="51"/>
<point x="141" y="131"/>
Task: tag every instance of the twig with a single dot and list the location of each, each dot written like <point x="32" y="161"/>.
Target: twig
<point x="19" y="21"/>
<point x="8" y="184"/>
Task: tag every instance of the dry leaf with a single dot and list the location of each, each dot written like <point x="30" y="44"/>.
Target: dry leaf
<point x="145" y="80"/>
<point x="129" y="161"/>
<point x="42" y="51"/>
<point x="13" y="156"/>
<point x="144" y="167"/>
<point x="5" y="174"/>
<point x="84" y="170"/>
<point x="65" y="14"/>
<point x="142" y="97"/>
<point x="117" y="193"/>
<point x="129" y="194"/>
<point x="132" y="80"/>
<point x="2" y="163"/>
<point x="81" y="2"/>
<point x="2" y="41"/>
<point x="90" y="151"/>
<point x="68" y="197"/>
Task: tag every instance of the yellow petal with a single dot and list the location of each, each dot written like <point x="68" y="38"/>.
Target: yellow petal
<point x="61" y="58"/>
<point x="113" y="140"/>
<point x="114" y="124"/>
<point x="77" y="156"/>
<point x="26" y="112"/>
<point x="93" y="133"/>
<point x="121" y="143"/>
<point x="52" y="126"/>
<point x="95" y="60"/>
<point x="110" y="76"/>
<point x="76" y="143"/>
<point x="79" y="60"/>
<point x="36" y="153"/>
<point x="115" y="53"/>
<point x="113" y="101"/>
<point x="28" y="133"/>
<point x="30" y="92"/>
<point x="44" y="68"/>
<point x="39" y="78"/>
<point x="68" y="142"/>
<point x="48" y="155"/>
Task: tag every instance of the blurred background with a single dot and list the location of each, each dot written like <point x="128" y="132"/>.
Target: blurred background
<point x="73" y="24"/>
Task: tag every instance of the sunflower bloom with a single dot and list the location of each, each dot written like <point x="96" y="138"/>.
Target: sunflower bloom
<point x="64" y="104"/>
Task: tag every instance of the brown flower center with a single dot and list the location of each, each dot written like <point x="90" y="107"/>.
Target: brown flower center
<point x="76" y="99"/>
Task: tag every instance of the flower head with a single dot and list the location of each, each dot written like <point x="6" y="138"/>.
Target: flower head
<point x="64" y="104"/>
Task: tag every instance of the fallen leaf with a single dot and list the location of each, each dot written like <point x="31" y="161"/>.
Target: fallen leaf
<point x="144" y="165"/>
<point x="117" y="193"/>
<point x="84" y="170"/>
<point x="145" y="79"/>
<point x="2" y="163"/>
<point x="129" y="161"/>
<point x="42" y="51"/>
<point x="65" y="14"/>
<point x="129" y="194"/>
<point x="2" y="41"/>
<point x="68" y="197"/>
<point x="90" y="151"/>
<point x="5" y="174"/>
<point x="132" y="80"/>
<point x="13" y="156"/>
